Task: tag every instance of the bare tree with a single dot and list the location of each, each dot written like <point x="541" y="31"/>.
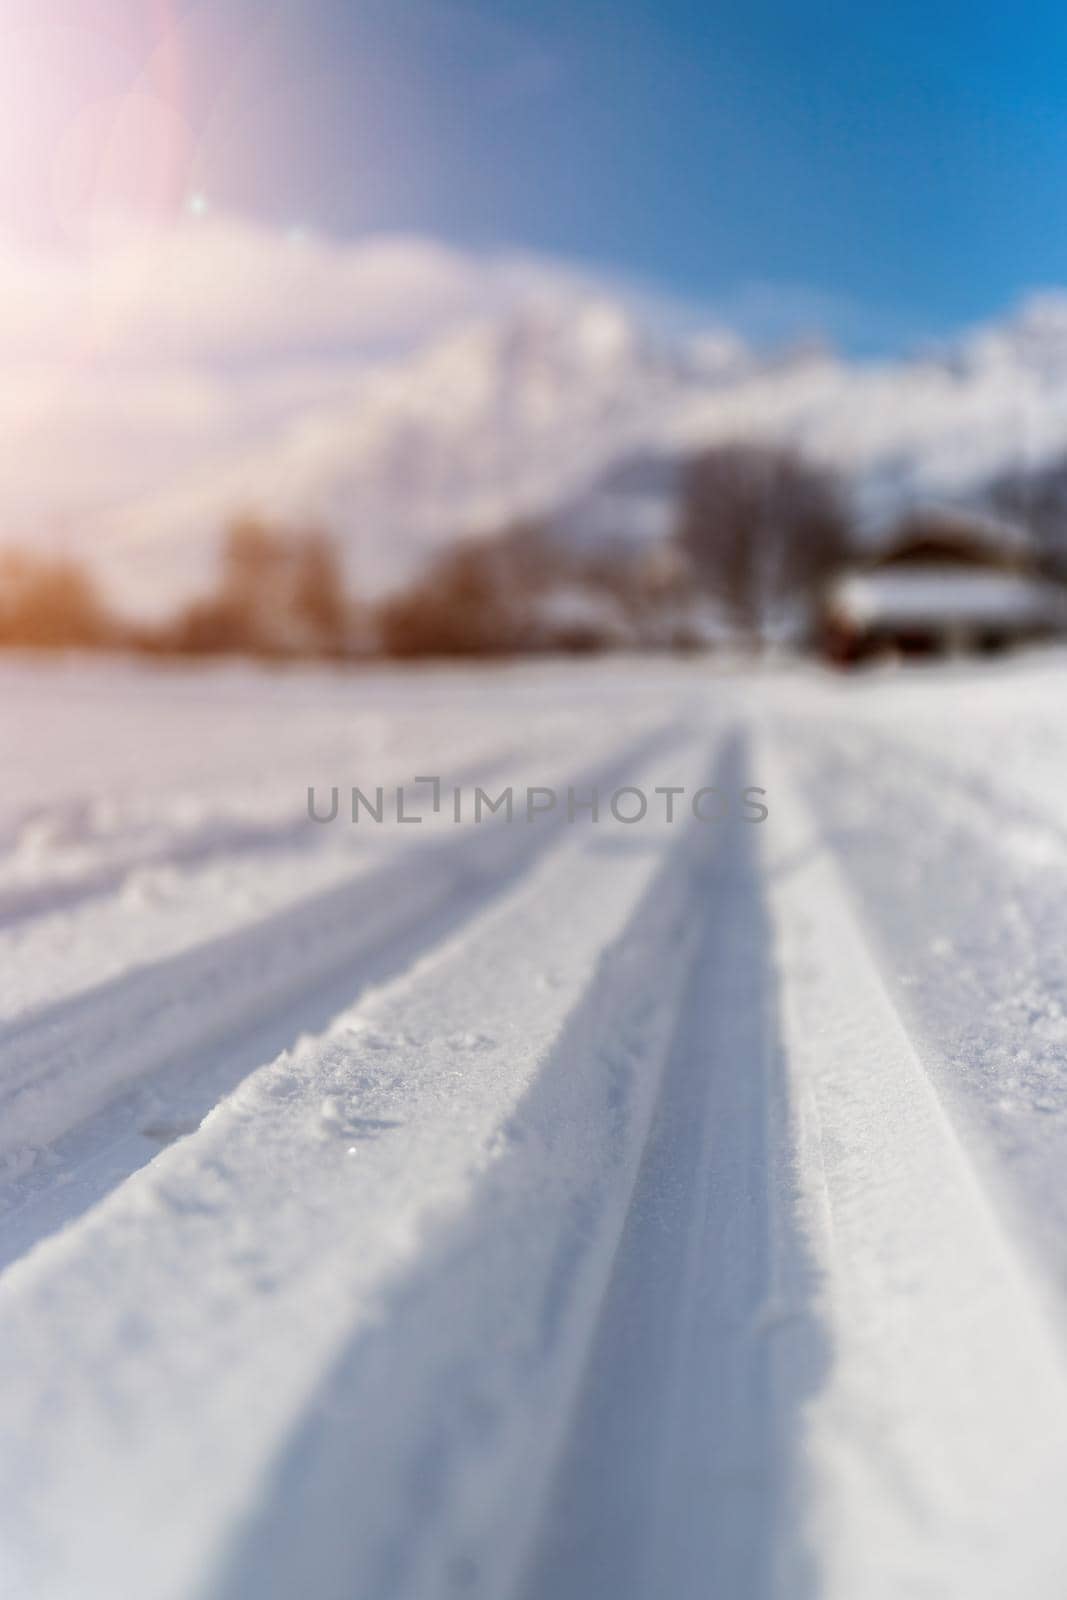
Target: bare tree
<point x="1035" y="500"/>
<point x="281" y="593"/>
<point x="470" y="601"/>
<point x="478" y="597"/>
<point x="320" y="598"/>
<point x="51" y="603"/>
<point x="762" y="529"/>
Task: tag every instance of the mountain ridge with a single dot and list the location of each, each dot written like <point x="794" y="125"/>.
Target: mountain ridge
<point x="527" y="412"/>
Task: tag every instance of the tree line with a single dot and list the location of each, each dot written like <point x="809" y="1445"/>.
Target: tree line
<point x="758" y="531"/>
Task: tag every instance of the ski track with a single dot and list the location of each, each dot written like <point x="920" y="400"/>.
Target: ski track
<point x="546" y="1212"/>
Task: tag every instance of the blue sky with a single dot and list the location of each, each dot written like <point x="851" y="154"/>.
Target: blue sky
<point x="890" y="172"/>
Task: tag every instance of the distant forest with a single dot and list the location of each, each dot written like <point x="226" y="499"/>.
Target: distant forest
<point x="758" y="533"/>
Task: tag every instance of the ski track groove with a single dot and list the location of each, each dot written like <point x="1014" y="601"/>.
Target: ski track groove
<point x="672" y="1479"/>
<point x="560" y="1156"/>
<point x="420" y="897"/>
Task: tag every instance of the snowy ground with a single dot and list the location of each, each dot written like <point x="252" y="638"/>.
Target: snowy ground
<point x="539" y="1210"/>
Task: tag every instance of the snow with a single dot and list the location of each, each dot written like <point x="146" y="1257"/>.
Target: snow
<point x="550" y="1209"/>
<point x="945" y="594"/>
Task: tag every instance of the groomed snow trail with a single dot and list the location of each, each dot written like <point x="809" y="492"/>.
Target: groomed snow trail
<point x="533" y="1210"/>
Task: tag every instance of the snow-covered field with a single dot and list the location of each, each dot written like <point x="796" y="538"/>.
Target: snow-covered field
<point x="545" y="1209"/>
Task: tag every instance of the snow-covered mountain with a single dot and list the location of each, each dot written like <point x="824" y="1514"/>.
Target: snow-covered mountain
<point x="504" y="415"/>
<point x="557" y="401"/>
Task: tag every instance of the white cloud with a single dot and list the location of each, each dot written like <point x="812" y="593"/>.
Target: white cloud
<point x="168" y="364"/>
<point x="213" y="289"/>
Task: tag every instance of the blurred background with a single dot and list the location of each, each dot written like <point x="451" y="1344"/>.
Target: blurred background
<point x="463" y="327"/>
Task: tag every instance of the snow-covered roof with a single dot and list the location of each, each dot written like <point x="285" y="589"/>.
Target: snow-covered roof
<point x="936" y="595"/>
